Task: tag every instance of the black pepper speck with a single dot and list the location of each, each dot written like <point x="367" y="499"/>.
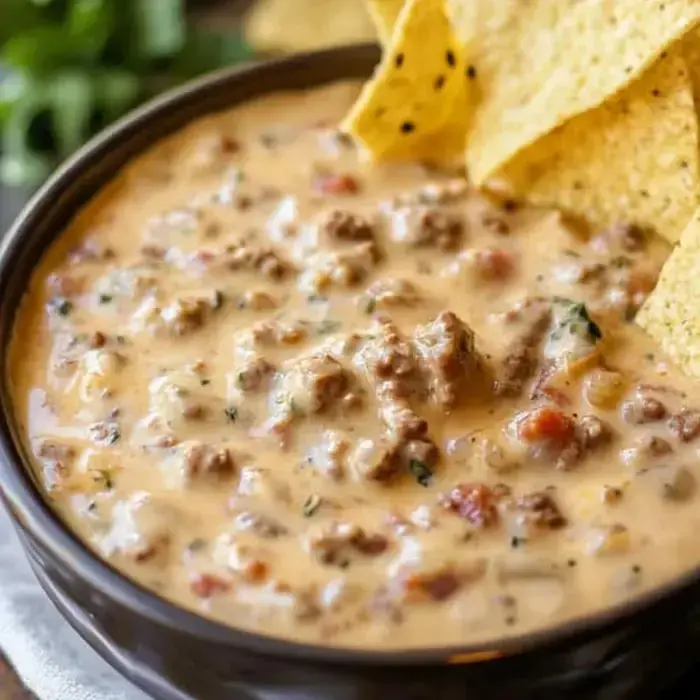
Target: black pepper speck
<point x="451" y="61"/>
<point x="407" y="127"/>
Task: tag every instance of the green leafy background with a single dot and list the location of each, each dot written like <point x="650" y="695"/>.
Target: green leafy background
<point x="70" y="67"/>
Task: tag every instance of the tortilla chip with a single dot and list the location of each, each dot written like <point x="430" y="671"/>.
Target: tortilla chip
<point x="384" y="14"/>
<point x="538" y="68"/>
<point x="691" y="51"/>
<point x="290" y="25"/>
<point x="415" y="106"/>
<point x="671" y="315"/>
<point x="634" y="158"/>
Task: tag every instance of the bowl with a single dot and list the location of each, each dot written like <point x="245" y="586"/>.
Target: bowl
<point x="174" y="654"/>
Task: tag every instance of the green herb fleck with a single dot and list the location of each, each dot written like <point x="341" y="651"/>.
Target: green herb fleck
<point x="421" y="471"/>
<point x="371" y="305"/>
<point x="106" y="298"/>
<point x="205" y="382"/>
<point x="576" y="320"/>
<point x="197" y="544"/>
<point x="62" y="307"/>
<point x="105" y="477"/>
<point x="218" y="300"/>
<point x="113" y="436"/>
<point x="620" y="261"/>
<point x="311" y="505"/>
<point x="328" y="326"/>
<point x="316" y="298"/>
<point x="231" y="414"/>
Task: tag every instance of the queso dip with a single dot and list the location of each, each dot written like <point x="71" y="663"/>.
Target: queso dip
<point x="354" y="404"/>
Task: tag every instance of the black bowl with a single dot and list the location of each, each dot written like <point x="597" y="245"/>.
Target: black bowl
<point x="175" y="654"/>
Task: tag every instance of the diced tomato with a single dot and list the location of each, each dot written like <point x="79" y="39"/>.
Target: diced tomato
<point x="546" y="424"/>
<point x="203" y="256"/>
<point x="256" y="571"/>
<point x="207" y="585"/>
<point x="337" y="184"/>
<point x="495" y="263"/>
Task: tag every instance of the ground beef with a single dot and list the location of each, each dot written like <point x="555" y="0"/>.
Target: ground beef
<point x="185" y="315"/>
<point x="255" y="375"/>
<point x="520" y="362"/>
<point x="315" y="383"/>
<point x="685" y="424"/>
<point x="262" y="525"/>
<point x="202" y="460"/>
<point x="346" y="226"/>
<point x="56" y="460"/>
<point x="435" y="585"/>
<point x="542" y="510"/>
<point x="329" y="456"/>
<point x="630" y="237"/>
<point x="388" y="361"/>
<point x="385" y="459"/>
<point x="401" y="420"/>
<point x="642" y="408"/>
<point x="245" y="256"/>
<point x="476" y="503"/>
<point x="388" y="293"/>
<point x="592" y="432"/>
<point x="427" y="226"/>
<point x="448" y="358"/>
<point x="335" y="543"/>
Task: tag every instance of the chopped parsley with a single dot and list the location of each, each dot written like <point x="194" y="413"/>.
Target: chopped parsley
<point x="197" y="544"/>
<point x="571" y="253"/>
<point x="61" y="306"/>
<point x="105" y="477"/>
<point x="113" y="436"/>
<point x="371" y="305"/>
<point x="421" y="471"/>
<point x="576" y="321"/>
<point x="316" y="298"/>
<point x="106" y="298"/>
<point x="311" y="505"/>
<point x="231" y="413"/>
<point x="218" y="300"/>
<point x="328" y="326"/>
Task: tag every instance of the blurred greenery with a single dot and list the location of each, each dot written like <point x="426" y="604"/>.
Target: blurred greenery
<point x="70" y="67"/>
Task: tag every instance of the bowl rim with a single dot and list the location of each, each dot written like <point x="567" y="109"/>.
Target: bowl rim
<point x="32" y="513"/>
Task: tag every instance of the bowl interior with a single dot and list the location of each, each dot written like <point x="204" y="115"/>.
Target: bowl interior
<point x="48" y="213"/>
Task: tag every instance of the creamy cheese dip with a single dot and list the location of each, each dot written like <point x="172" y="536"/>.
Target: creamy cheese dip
<point x="352" y="404"/>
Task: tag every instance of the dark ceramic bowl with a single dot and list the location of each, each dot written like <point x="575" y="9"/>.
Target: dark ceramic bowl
<point x="175" y="654"/>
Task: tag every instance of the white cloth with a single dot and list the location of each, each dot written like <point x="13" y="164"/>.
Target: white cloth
<point x="50" y="658"/>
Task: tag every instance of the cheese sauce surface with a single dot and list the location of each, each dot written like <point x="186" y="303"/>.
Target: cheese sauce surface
<point x="354" y="404"/>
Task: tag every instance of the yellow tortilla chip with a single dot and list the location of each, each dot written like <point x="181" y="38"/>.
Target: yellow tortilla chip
<point x="634" y="158"/>
<point x="384" y="14"/>
<point x="691" y="52"/>
<point x="415" y="106"/>
<point x="291" y="25"/>
<point x="539" y="67"/>
<point x="671" y="315"/>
